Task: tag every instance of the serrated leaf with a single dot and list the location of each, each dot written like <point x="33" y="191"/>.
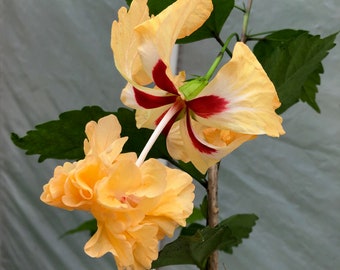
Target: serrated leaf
<point x="292" y="60"/>
<point x="64" y="138"/>
<point x="210" y="29"/>
<point x="197" y="243"/>
<point x="59" y="139"/>
<point x="309" y="89"/>
<point x="241" y="226"/>
<point x="213" y="26"/>
<point x="90" y="226"/>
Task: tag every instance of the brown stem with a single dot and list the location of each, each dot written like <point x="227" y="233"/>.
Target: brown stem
<point x="212" y="219"/>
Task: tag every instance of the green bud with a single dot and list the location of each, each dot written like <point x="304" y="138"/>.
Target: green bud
<point x="193" y="87"/>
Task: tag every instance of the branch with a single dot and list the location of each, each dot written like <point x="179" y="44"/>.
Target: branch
<point x="212" y="219"/>
<point x="246" y="21"/>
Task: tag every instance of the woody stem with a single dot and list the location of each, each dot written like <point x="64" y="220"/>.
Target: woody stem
<point x="212" y="218"/>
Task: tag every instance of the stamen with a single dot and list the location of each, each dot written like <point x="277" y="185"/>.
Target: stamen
<point x="176" y="107"/>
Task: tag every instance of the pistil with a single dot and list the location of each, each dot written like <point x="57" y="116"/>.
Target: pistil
<point x="175" y="108"/>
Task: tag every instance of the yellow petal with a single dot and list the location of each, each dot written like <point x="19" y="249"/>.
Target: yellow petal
<point x="251" y="97"/>
<point x="144" y="118"/>
<point x="222" y="138"/>
<point x="153" y="179"/>
<point x="222" y="141"/>
<point x="176" y="203"/>
<point x="79" y="189"/>
<point x="53" y="191"/>
<point x="102" y="134"/>
<point x="145" y="247"/>
<point x="103" y="241"/>
<point x="124" y="178"/>
<point x="159" y="34"/>
<point x="124" y="42"/>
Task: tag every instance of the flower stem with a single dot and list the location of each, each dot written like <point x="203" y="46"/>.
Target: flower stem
<point x="219" y="57"/>
<point x="158" y="130"/>
<point x="212" y="218"/>
<point x="246" y="22"/>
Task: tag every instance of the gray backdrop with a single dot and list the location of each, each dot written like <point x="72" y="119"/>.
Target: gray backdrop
<point x="55" y="56"/>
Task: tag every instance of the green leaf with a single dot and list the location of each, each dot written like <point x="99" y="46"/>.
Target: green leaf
<point x="64" y="138"/>
<point x="292" y="60"/>
<point x="204" y="206"/>
<point x="195" y="216"/>
<point x="213" y="26"/>
<point x="309" y="89"/>
<point x="196" y="244"/>
<point x="59" y="139"/>
<point x="191" y="229"/>
<point x="241" y="226"/>
<point x="90" y="225"/>
<point x="210" y="29"/>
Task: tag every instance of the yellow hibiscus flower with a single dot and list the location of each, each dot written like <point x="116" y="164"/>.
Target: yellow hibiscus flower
<point x="240" y="100"/>
<point x="135" y="206"/>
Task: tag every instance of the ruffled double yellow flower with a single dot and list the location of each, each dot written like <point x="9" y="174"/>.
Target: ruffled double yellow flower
<point x="134" y="206"/>
<point x="238" y="104"/>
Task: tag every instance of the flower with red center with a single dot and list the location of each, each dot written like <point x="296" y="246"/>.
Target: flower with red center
<point x="135" y="206"/>
<point x="240" y="100"/>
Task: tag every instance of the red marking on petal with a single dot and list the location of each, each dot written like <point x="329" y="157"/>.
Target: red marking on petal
<point x="168" y="126"/>
<point x="207" y="106"/>
<point x="198" y="145"/>
<point x="148" y="101"/>
<point x="161" y="79"/>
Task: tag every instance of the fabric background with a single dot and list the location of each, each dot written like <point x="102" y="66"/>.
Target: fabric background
<point x="55" y="56"/>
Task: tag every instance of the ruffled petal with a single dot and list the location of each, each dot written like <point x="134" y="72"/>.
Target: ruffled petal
<point x="53" y="191"/>
<point x="124" y="42"/>
<point x="153" y="179"/>
<point x="101" y="135"/>
<point x="145" y="248"/>
<point x="79" y="189"/>
<point x="124" y="178"/>
<point x="176" y="203"/>
<point x="248" y="95"/>
<point x="104" y="241"/>
<point x="159" y="34"/>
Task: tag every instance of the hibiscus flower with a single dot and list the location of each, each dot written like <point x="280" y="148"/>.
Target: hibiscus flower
<point x="135" y="206"/>
<point x="203" y="120"/>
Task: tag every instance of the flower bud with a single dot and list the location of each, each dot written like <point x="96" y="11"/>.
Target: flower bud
<point x="193" y="87"/>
